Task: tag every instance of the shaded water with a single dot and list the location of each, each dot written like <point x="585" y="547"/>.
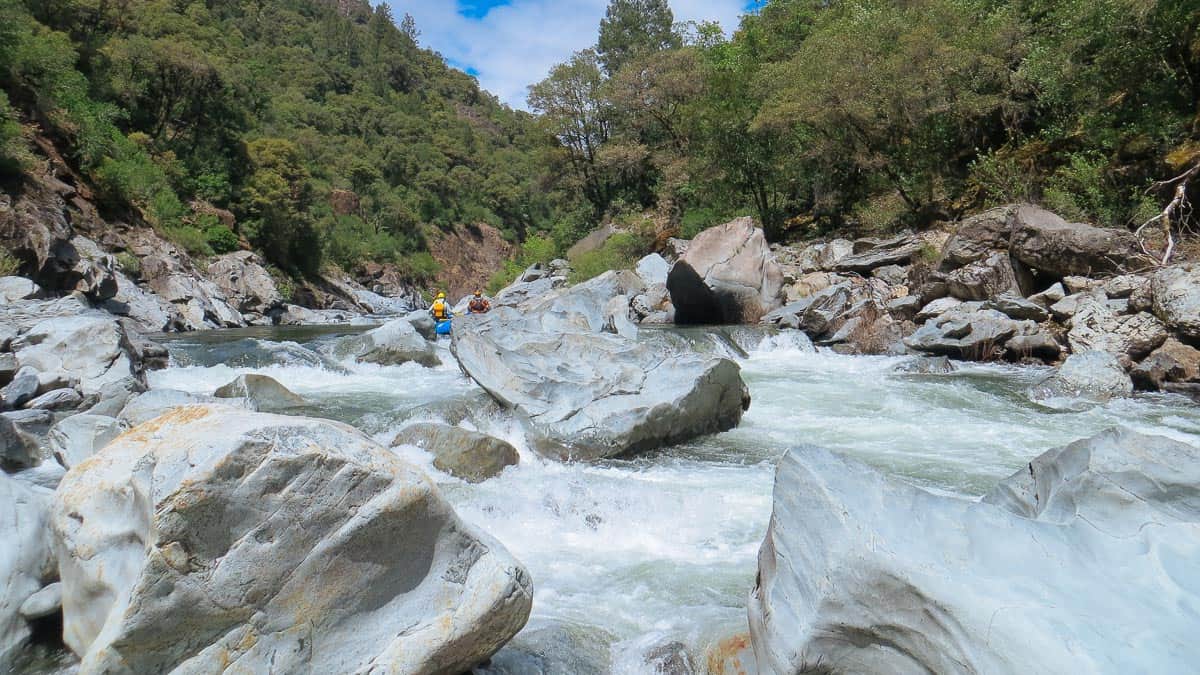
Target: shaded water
<point x="630" y="554"/>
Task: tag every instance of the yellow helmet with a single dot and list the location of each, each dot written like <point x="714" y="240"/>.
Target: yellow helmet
<point x="441" y="296"/>
<point x="478" y="293"/>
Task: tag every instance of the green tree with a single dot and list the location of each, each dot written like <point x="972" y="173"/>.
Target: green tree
<point x="633" y="28"/>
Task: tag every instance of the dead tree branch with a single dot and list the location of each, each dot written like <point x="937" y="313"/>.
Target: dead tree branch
<point x="1178" y="210"/>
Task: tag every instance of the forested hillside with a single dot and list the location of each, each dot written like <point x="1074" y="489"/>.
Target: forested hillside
<point x="870" y="114"/>
<point x="320" y="124"/>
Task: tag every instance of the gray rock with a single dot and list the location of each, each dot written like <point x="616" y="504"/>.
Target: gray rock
<point x="1039" y="345"/>
<point x="92" y="349"/>
<point x="586" y="305"/>
<point x="392" y="344"/>
<point x="653" y="269"/>
<point x="905" y="307"/>
<point x="1095" y="326"/>
<point x="978" y="237"/>
<point x="469" y="455"/>
<point x="937" y="308"/>
<point x="1125" y="285"/>
<point x="588" y="394"/>
<point x="17" y="449"/>
<point x="1049" y="296"/>
<point x="617" y="319"/>
<point x="976" y="335"/>
<point x="1064" y="309"/>
<point x="261" y="392"/>
<point x="1177" y="298"/>
<point x="1077" y="284"/>
<point x="522" y="291"/>
<point x="1084" y="379"/>
<point x="200" y="302"/>
<point x="1172" y="362"/>
<point x="896" y="275"/>
<point x="149" y="311"/>
<point x="25" y="557"/>
<point x="22" y="389"/>
<point x="983" y="279"/>
<point x="78" y="437"/>
<point x="926" y="365"/>
<point x="1051" y="245"/>
<point x="872" y="253"/>
<point x="157" y="402"/>
<point x="13" y="289"/>
<point x="728" y="275"/>
<point x="42" y="604"/>
<point x="8" y="369"/>
<point x="857" y="568"/>
<point x="424" y="324"/>
<point x="282" y="544"/>
<point x="8" y="333"/>
<point x="1016" y="307"/>
<point x="244" y="280"/>
<point x="59" y="399"/>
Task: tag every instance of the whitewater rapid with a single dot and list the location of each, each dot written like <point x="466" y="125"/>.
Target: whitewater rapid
<point x="633" y="554"/>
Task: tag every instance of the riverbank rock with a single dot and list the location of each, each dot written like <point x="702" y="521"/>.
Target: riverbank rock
<point x="1172" y="362"/>
<point x="243" y="279"/>
<point x="14" y="289"/>
<point x="982" y="279"/>
<point x="78" y="437"/>
<point x="1176" y="298"/>
<point x="392" y="344"/>
<point x="91" y="349"/>
<point x="170" y="275"/>
<point x="727" y="275"/>
<point x="863" y="573"/>
<point x="1095" y="325"/>
<point x="872" y="253"/>
<point x="1047" y="243"/>
<point x="967" y="332"/>
<point x="469" y="455"/>
<point x="1084" y="378"/>
<point x="25" y="557"/>
<point x="261" y="392"/>
<point x="587" y="394"/>
<point x="213" y="539"/>
<point x="18" y="450"/>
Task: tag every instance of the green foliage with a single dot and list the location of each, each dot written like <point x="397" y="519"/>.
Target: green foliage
<point x="419" y="267"/>
<point x="265" y="109"/>
<point x="14" y="152"/>
<point x="620" y="252"/>
<point x="189" y="238"/>
<point x="633" y="28"/>
<point x="130" y="263"/>
<point x="537" y="249"/>
<point x="221" y="239"/>
<point x="9" y="266"/>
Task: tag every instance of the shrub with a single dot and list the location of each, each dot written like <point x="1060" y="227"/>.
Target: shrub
<point x="190" y="239"/>
<point x="221" y="239"/>
<point x="620" y="252"/>
<point x="418" y="266"/>
<point x="130" y="264"/>
<point x="9" y="266"/>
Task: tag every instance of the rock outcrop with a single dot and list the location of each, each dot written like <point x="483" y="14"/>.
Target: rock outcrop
<point x="862" y="573"/>
<point x="391" y="344"/>
<point x="245" y="281"/>
<point x="1085" y="377"/>
<point x="261" y="392"/>
<point x="1047" y="243"/>
<point x="465" y="454"/>
<point x="1176" y="298"/>
<point x="214" y="539"/>
<point x="588" y="394"/>
<point x="727" y="275"/>
<point x="25" y="558"/>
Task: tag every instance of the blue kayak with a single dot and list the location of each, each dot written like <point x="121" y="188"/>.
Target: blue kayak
<point x="443" y="327"/>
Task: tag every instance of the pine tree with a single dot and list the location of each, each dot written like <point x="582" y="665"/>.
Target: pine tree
<point x="631" y="28"/>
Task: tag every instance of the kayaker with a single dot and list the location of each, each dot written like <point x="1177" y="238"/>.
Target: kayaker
<point x="479" y="304"/>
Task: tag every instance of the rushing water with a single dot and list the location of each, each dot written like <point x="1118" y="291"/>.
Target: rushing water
<point x="630" y="555"/>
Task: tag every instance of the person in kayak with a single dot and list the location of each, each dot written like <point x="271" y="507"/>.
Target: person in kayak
<point x="479" y="304"/>
<point x="440" y="310"/>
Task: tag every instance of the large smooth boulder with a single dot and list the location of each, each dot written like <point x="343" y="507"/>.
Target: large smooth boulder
<point x="1176" y="298"/>
<point x="727" y="275"/>
<point x="588" y="394"/>
<point x="1047" y="243"/>
<point x="653" y="269"/>
<point x="147" y="310"/>
<point x="867" y="574"/>
<point x="92" y="349"/>
<point x="25" y="558"/>
<point x="465" y="454"/>
<point x="1084" y="378"/>
<point x="245" y="281"/>
<point x="261" y="392"/>
<point x="978" y="237"/>
<point x="392" y="344"/>
<point x="214" y="539"/>
<point x="14" y="289"/>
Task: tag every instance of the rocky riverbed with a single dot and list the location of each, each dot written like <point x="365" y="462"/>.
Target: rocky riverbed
<point x="566" y="487"/>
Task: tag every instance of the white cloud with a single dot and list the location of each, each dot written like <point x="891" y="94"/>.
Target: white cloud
<point x="516" y="44"/>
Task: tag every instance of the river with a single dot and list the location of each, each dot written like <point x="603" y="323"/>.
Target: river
<point x="633" y="554"/>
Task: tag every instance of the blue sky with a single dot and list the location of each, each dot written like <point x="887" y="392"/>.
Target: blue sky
<point x="510" y="44"/>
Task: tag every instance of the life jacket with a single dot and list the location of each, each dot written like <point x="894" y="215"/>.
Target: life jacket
<point x="479" y="305"/>
<point x="439" y="310"/>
